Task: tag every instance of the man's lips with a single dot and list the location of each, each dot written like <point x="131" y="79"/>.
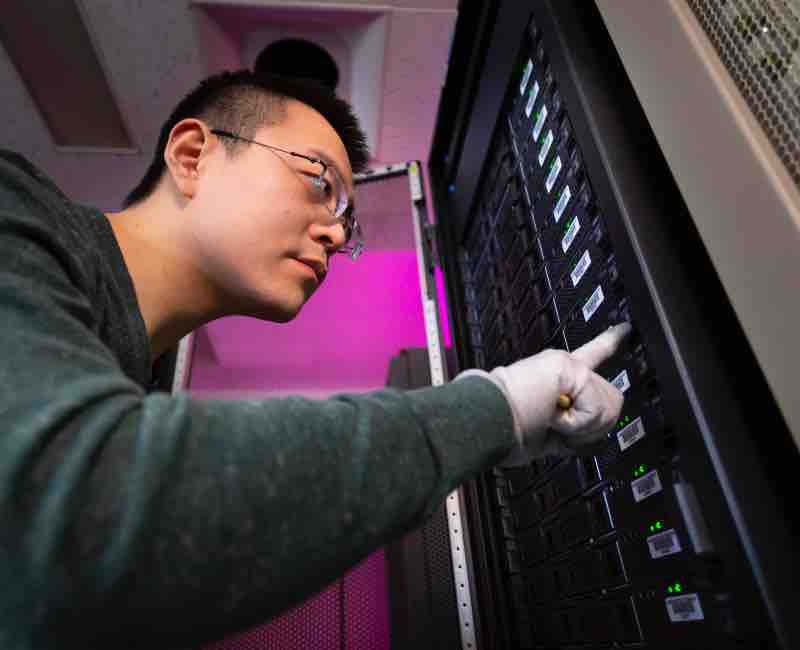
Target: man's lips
<point x="318" y="267"/>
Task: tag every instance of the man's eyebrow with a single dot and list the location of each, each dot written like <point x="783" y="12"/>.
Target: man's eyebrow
<point x="325" y="158"/>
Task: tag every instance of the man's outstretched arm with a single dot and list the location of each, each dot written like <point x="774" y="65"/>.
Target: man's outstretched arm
<point x="164" y="520"/>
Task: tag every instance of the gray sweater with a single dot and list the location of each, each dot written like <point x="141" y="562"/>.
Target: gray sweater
<point x="130" y="519"/>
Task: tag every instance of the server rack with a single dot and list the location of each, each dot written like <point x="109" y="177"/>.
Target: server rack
<point x="558" y="216"/>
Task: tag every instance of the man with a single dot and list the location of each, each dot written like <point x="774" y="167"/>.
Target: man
<point x="148" y="520"/>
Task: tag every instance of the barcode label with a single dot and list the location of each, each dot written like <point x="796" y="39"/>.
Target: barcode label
<point x="526" y="75"/>
<point x="595" y="300"/>
<point x="563" y="200"/>
<point x="532" y="98"/>
<point x="646" y="486"/>
<point x="546" y="144"/>
<point x="666" y="543"/>
<point x="684" y="608"/>
<point x="580" y="268"/>
<point x="621" y="381"/>
<point x="555" y="169"/>
<point x="541" y="116"/>
<point x="572" y="232"/>
<point x="631" y="434"/>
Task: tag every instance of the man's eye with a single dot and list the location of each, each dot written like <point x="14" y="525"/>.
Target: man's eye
<point x="322" y="184"/>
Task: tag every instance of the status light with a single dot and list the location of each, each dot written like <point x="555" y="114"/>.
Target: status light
<point x="675" y="588"/>
<point x="658" y="525"/>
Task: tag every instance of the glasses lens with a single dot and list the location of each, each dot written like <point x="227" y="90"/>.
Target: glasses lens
<point x="355" y="242"/>
<point x="339" y="198"/>
<point x="355" y="251"/>
<point x="339" y="204"/>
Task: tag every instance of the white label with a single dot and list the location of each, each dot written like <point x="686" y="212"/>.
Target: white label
<point x="555" y="169"/>
<point x="580" y="268"/>
<point x="526" y="75"/>
<point x="532" y="98"/>
<point x="646" y="486"/>
<point x="563" y="200"/>
<point x="621" y="381"/>
<point x="572" y="232"/>
<point x="545" y="149"/>
<point x="541" y="116"/>
<point x="595" y="300"/>
<point x="415" y="181"/>
<point x="665" y="543"/>
<point x="631" y="434"/>
<point x="684" y="608"/>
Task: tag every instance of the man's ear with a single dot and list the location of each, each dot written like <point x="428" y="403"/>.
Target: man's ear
<point x="188" y="144"/>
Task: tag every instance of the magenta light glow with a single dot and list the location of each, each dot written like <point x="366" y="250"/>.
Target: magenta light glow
<point x="364" y="314"/>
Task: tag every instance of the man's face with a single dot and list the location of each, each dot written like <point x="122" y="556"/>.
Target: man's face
<point x="261" y="235"/>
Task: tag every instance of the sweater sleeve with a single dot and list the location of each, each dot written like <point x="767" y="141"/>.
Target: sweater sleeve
<point x="167" y="521"/>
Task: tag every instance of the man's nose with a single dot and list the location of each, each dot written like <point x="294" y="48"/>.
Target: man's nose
<point x="330" y="235"/>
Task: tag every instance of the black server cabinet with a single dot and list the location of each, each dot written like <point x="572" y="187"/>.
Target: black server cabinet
<point x="558" y="217"/>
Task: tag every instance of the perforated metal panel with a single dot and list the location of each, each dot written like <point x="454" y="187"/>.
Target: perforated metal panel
<point x="759" y="43"/>
<point x="351" y="613"/>
<point x="315" y="624"/>
<point x="441" y="582"/>
<point x="366" y="587"/>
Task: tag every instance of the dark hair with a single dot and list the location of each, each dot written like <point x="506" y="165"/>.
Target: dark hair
<point x="241" y="102"/>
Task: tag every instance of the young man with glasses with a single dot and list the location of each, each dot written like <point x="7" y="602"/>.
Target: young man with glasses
<point x="136" y="519"/>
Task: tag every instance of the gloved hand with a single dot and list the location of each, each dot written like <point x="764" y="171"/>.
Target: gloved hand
<point x="533" y="386"/>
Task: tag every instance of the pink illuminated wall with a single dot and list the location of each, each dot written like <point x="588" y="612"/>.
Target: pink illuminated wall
<point x="343" y="338"/>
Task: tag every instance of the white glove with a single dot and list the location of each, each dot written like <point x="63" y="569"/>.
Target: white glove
<point x="533" y="386"/>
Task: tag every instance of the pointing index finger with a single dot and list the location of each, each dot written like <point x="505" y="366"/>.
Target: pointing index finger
<point x="603" y="346"/>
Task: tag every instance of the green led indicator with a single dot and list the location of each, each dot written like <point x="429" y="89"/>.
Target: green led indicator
<point x="658" y="525"/>
<point x="669" y="589"/>
<point x="678" y="587"/>
<point x="675" y="588"/>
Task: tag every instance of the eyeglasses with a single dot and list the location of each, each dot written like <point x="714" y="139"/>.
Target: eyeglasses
<point x="328" y="188"/>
